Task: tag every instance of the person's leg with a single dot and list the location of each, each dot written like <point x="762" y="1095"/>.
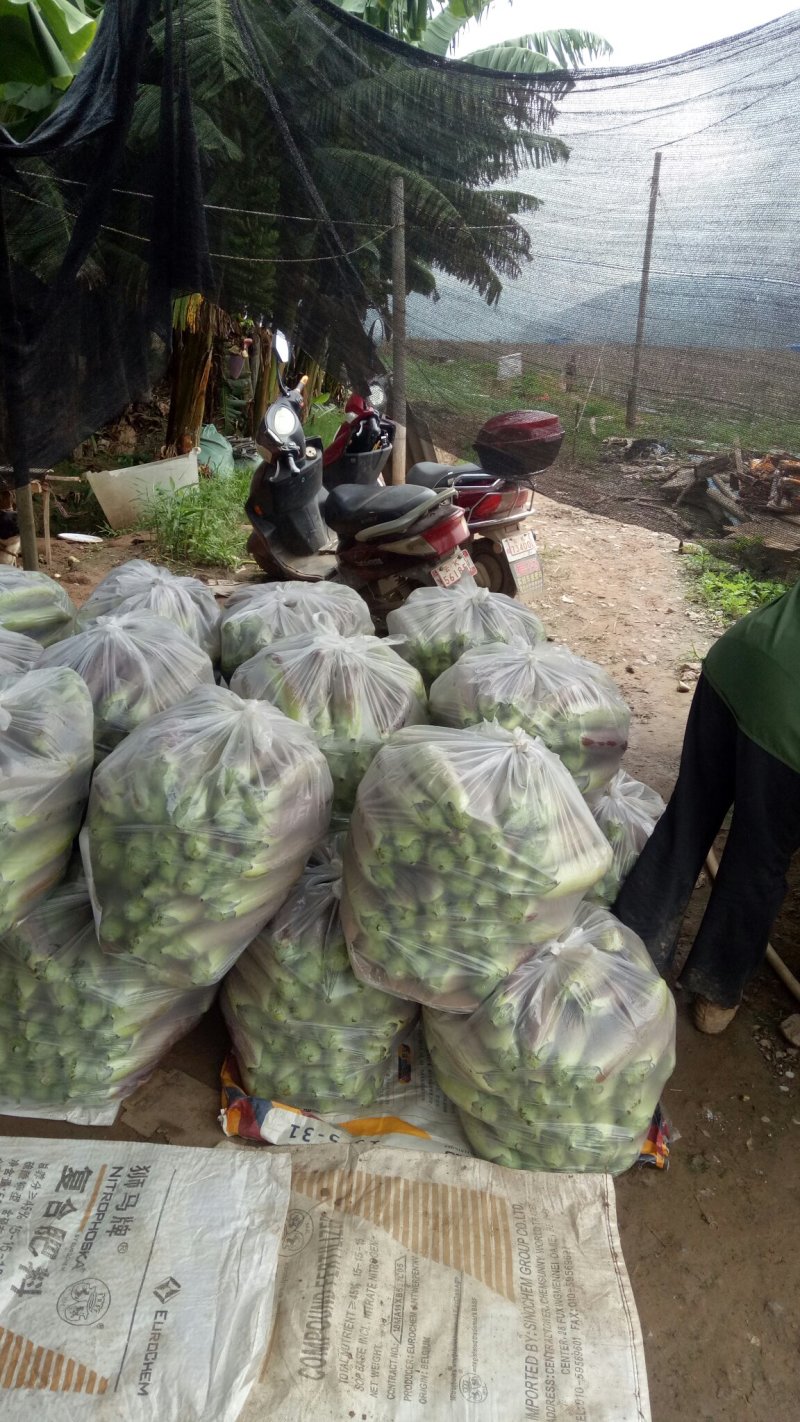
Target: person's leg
<point x="653" y="898"/>
<point x="751" y="883"/>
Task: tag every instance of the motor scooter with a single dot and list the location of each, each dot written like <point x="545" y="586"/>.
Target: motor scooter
<point x="388" y="540"/>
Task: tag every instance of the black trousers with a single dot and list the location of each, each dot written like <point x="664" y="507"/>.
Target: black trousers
<point x="720" y="767"/>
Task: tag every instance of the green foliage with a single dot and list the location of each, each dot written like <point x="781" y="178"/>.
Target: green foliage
<point x="728" y="591"/>
<point x="42" y="44"/>
<point x="200" y="525"/>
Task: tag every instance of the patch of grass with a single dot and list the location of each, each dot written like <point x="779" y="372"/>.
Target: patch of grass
<point x="202" y="524"/>
<point x="728" y="591"/>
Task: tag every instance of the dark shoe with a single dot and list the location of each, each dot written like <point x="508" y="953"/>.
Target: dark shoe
<point x="710" y="1018"/>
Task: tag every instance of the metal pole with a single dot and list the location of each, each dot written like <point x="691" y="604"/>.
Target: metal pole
<point x="633" y="392"/>
<point x="399" y="330"/>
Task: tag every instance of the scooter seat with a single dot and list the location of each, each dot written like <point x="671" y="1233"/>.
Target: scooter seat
<point x="352" y="507"/>
<point x="438" y="476"/>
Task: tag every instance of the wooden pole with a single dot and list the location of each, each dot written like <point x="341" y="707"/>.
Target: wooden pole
<point x="27" y="527"/>
<point x="633" y="392"/>
<point x="399" y="330"/>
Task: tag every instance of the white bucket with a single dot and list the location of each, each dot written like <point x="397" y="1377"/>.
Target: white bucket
<point x="123" y="493"/>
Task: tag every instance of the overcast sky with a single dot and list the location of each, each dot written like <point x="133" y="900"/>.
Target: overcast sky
<point x="638" y="30"/>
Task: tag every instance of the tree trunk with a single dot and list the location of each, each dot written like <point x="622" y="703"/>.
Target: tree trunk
<point x="191" y="365"/>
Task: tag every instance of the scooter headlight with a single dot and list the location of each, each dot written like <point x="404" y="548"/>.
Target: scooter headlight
<point x="283" y="421"/>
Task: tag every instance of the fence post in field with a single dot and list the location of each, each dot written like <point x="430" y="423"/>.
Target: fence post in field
<point x="633" y="391"/>
<point x="399" y="330"/>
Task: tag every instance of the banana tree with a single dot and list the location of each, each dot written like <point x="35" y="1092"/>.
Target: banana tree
<point x="42" y="45"/>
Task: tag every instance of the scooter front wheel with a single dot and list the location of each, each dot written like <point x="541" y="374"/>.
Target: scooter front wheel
<point x="492" y="569"/>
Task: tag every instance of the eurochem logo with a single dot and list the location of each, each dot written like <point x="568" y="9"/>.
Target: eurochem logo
<point x="166" y="1291"/>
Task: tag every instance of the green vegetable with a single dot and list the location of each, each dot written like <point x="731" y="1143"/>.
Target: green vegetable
<point x="35" y="605"/>
<point x="436" y="625"/>
<point x="138" y="586"/>
<point x="561" y="1068"/>
<point x="466" y="849"/>
<point x="198" y="825"/>
<point x="45" y="767"/>
<point x="135" y="665"/>
<point x="77" y="1027"/>
<point x="306" y="1031"/>
<point x="627" y="813"/>
<point x="257" y="615"/>
<point x="18" y="653"/>
<point x="570" y="703"/>
<point x="352" y="692"/>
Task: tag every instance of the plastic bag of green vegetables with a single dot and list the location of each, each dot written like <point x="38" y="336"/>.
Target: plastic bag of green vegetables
<point x="466" y="849"/>
<point x="253" y="617"/>
<point x="627" y="813"/>
<point x="436" y="625"/>
<point x="139" y="586"/>
<point x="46" y="753"/>
<point x="135" y="664"/>
<point x="305" y="1030"/>
<point x="77" y="1027"/>
<point x="570" y="703"/>
<point x="562" y="1067"/>
<point x="198" y="825"/>
<point x="18" y="653"/>
<point x="352" y="692"/>
<point x="35" y="605"/>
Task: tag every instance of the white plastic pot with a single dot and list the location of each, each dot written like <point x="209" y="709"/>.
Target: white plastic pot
<point x="123" y="494"/>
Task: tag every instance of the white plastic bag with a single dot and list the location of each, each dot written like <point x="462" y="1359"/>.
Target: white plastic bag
<point x="139" y="586"/>
<point x="18" y="653"/>
<point x="562" y="1067"/>
<point x="135" y="664"/>
<point x="436" y="625"/>
<point x="627" y="813"/>
<point x="352" y="692"/>
<point x="79" y="1028"/>
<point x="571" y="703"/>
<point x="46" y="754"/>
<point x="305" y="1030"/>
<point x="36" y="605"/>
<point x="255" y="616"/>
<point x="198" y="825"/>
<point x="466" y="849"/>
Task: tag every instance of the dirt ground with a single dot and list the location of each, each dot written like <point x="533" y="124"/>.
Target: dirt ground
<point x="707" y="1243"/>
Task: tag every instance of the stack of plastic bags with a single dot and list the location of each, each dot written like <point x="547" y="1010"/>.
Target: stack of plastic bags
<point x="35" y="605"/>
<point x="198" y="825"/>
<point x="467" y="848"/>
<point x="548" y="691"/>
<point x="253" y="617"/>
<point x="18" y="653"/>
<point x="46" y="754"/>
<point x="436" y="625"/>
<point x="561" y="1068"/>
<point x="306" y="1031"/>
<point x="627" y="812"/>
<point x="135" y="664"/>
<point x="352" y="692"/>
<point x="79" y="1028"/>
<point x="138" y="586"/>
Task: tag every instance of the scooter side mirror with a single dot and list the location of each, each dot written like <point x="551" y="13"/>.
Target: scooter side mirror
<point x="281" y="347"/>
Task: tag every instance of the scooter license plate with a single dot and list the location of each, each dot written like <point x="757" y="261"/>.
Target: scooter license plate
<point x="523" y="558"/>
<point x="453" y="569"/>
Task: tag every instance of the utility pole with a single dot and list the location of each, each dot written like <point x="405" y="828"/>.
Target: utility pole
<point x="633" y="392"/>
<point x="399" y="329"/>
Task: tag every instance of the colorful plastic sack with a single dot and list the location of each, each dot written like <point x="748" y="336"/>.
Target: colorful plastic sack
<point x="436" y="625"/>
<point x="562" y="1067"/>
<point x="572" y="704"/>
<point x="35" y="605"/>
<point x="627" y="813"/>
<point x="253" y="617"/>
<point x="352" y="692"/>
<point x="466" y="849"/>
<point x="139" y="586"/>
<point x="198" y="825"/>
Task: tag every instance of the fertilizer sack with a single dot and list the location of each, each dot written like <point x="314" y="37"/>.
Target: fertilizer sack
<point x="436" y="625"/>
<point x="466" y="849"/>
<point x="139" y="586"/>
<point x="35" y="605"/>
<point x="135" y="664"/>
<point x="305" y="1030"/>
<point x="46" y="753"/>
<point x="198" y="825"/>
<point x="253" y="617"/>
<point x="79" y="1028"/>
<point x="562" y="1067"/>
<point x="18" y="653"/>
<point x="352" y="692"/>
<point x="627" y="813"/>
<point x="570" y="703"/>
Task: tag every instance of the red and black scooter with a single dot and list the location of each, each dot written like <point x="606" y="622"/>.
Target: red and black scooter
<point x="381" y="541"/>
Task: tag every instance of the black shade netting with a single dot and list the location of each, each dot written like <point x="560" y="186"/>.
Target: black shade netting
<point x="246" y="150"/>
